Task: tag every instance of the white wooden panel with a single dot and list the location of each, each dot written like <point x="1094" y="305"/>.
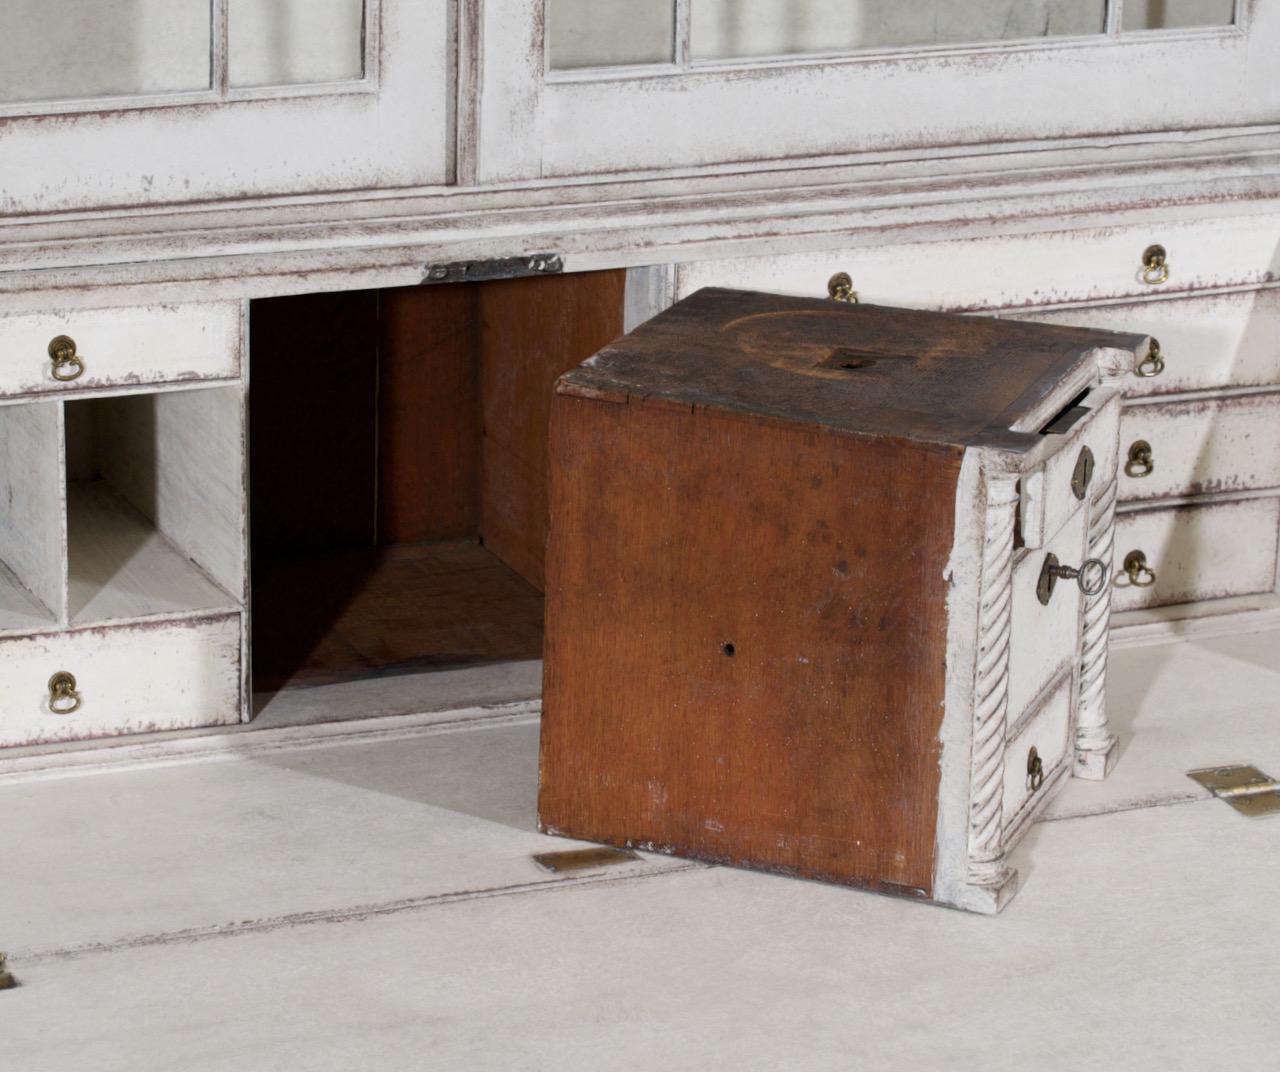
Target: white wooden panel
<point x="1044" y="640"/>
<point x="121" y="568"/>
<point x="1016" y="270"/>
<point x="1199" y="552"/>
<point x="1218" y="340"/>
<point x="179" y="458"/>
<point x="122" y="347"/>
<point x="1203" y="446"/>
<point x="1047" y="496"/>
<point x="133" y="679"/>
<point x="33" y="514"/>
<point x="1047" y="732"/>
<point x="580" y="123"/>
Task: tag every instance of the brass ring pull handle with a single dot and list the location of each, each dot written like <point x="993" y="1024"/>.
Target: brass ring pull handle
<point x="63" y="698"/>
<point x="1091" y="577"/>
<point x="1140" y="463"/>
<point x="1152" y="364"/>
<point x="67" y="366"/>
<point x="1155" y="266"/>
<point x="1137" y="574"/>
<point x="840" y="288"/>
<point x="1035" y="770"/>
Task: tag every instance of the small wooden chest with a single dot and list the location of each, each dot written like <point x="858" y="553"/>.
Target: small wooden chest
<point x="810" y="604"/>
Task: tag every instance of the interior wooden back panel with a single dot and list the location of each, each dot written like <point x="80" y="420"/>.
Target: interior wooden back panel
<point x="531" y="331"/>
<point x="819" y="557"/>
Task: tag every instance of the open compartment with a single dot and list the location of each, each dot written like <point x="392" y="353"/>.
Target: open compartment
<point x="155" y="504"/>
<point x="398" y="477"/>
<point x="33" y="519"/>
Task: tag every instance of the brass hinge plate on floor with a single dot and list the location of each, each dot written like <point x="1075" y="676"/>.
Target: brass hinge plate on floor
<point x="581" y="859"/>
<point x="501" y="268"/>
<point x="1245" y="788"/>
<point x="7" y="981"/>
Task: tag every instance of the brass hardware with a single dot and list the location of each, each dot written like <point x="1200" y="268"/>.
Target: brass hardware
<point x="1245" y="788"/>
<point x="1152" y="364"/>
<point x="840" y="288"/>
<point x="1136" y="571"/>
<point x="1091" y="577"/>
<point x="1155" y="266"/>
<point x="63" y="697"/>
<point x="62" y="351"/>
<point x="501" y="268"/>
<point x="1082" y="474"/>
<point x="7" y="981"/>
<point x="1140" y="462"/>
<point x="581" y="859"/>
<point x="1035" y="770"/>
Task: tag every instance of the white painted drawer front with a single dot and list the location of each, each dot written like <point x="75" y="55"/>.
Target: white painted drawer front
<point x="1015" y="270"/>
<point x="1047" y="495"/>
<point x="1047" y="732"/>
<point x="122" y="347"/>
<point x="1214" y="445"/>
<point x="131" y="679"/>
<point x="1220" y="340"/>
<point x="1199" y="552"/>
<point x="1044" y="638"/>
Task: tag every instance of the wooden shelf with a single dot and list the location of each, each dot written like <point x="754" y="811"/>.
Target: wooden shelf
<point x="121" y="567"/>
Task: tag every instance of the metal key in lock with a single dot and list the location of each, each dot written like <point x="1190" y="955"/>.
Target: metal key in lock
<point x="1091" y="577"/>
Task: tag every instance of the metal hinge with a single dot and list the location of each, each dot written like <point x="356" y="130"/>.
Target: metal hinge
<point x="502" y="268"/>
<point x="1245" y="788"/>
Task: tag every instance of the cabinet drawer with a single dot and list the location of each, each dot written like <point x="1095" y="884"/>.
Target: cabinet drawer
<point x="120" y="347"/>
<point x="129" y="679"/>
<point x="1218" y="340"/>
<point x="1200" y="447"/>
<point x="1044" y="638"/>
<point x="1198" y="552"/>
<point x="1047" y="731"/>
<point x="1051" y="492"/>
<point x="1016" y="270"/>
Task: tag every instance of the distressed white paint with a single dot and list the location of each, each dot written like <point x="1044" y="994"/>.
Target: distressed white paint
<point x="1199" y="551"/>
<point x="1047" y="731"/>
<point x="1209" y="342"/>
<point x="131" y="679"/>
<point x="179" y="459"/>
<point x="1048" y="499"/>
<point x="33" y="521"/>
<point x="1006" y="272"/>
<point x="580" y="123"/>
<point x="122" y="347"/>
<point x="1203" y="445"/>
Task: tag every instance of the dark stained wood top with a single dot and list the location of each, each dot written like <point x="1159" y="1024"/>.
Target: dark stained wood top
<point x="955" y="381"/>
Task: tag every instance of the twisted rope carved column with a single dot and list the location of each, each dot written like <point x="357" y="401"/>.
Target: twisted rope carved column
<point x="991" y="686"/>
<point x="1093" y="737"/>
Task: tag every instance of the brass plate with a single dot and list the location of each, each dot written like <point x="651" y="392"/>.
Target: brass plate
<point x="582" y="859"/>
<point x="1247" y="789"/>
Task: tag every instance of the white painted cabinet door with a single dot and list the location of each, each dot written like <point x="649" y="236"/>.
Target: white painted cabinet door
<point x="137" y="102"/>
<point x="683" y="83"/>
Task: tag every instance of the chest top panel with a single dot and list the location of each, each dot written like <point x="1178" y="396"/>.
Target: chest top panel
<point x="953" y="381"/>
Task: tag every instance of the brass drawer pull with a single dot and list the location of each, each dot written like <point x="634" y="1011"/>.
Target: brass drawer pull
<point x="67" y="365"/>
<point x="1035" y="770"/>
<point x="1155" y="266"/>
<point x="1152" y="364"/>
<point x="1137" y="574"/>
<point x="1140" y="462"/>
<point x="840" y="288"/>
<point x="1091" y="577"/>
<point x="1082" y="474"/>
<point x="63" y="697"/>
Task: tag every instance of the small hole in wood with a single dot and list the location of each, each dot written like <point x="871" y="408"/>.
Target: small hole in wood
<point x="728" y="649"/>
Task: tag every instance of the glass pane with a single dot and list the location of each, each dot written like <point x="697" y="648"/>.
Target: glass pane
<point x="1173" y="14"/>
<point x="610" y="33"/>
<point x="68" y="49"/>
<point x="724" y="29"/>
<point x="292" y="42"/>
